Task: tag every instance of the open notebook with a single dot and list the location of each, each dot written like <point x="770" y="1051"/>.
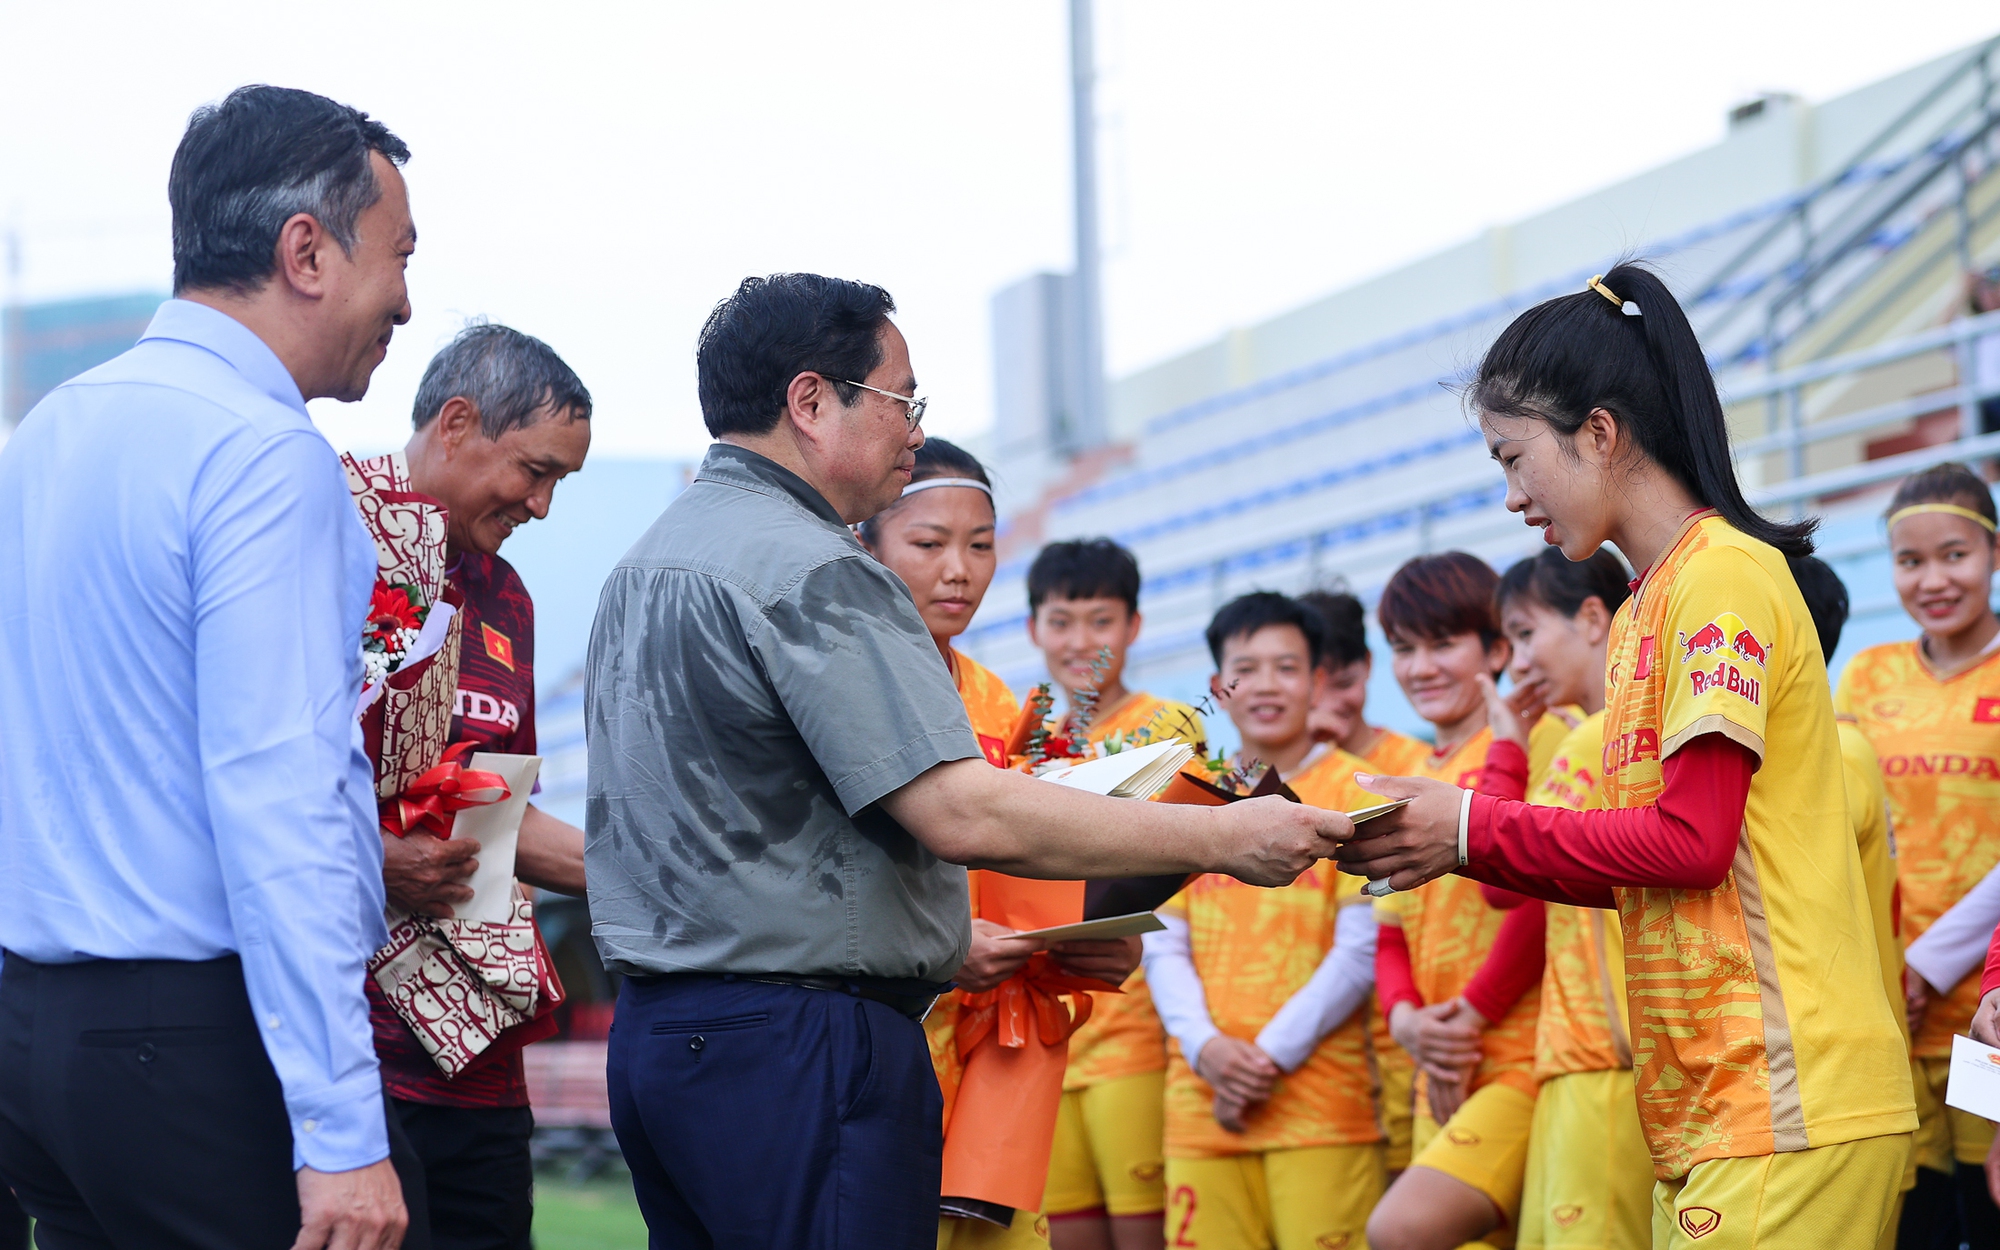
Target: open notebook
<point x="1135" y="773"/>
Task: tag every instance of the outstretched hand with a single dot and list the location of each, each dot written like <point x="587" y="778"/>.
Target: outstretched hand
<point x="1409" y="846"/>
<point x="1277" y="839"/>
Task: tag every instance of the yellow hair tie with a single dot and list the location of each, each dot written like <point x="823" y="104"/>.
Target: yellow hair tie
<point x="1949" y="509"/>
<point x="1625" y="306"/>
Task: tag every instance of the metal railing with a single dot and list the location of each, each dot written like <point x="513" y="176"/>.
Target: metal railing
<point x="1790" y="433"/>
<point x="1832" y="238"/>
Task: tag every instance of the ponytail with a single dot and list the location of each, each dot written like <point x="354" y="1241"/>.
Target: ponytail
<point x="1624" y="345"/>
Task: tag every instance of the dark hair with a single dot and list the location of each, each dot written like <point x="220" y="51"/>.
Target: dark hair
<point x="1435" y="597"/>
<point x="251" y="163"/>
<point x="1346" y="625"/>
<point x="1084" y="568"/>
<point x="1950" y="482"/>
<point x="1826" y="598"/>
<point x="936" y="458"/>
<point x="1561" y="585"/>
<point x="509" y="376"/>
<point x="772" y="330"/>
<point x="1261" y="609"/>
<point x="1578" y="352"/>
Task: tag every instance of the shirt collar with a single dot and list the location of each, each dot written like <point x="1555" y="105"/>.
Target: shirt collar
<point x="739" y="466"/>
<point x="185" y="321"/>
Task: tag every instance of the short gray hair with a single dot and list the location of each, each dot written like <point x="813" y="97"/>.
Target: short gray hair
<point x="509" y="376"/>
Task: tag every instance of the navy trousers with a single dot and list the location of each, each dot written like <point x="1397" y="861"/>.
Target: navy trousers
<point x="755" y="1115"/>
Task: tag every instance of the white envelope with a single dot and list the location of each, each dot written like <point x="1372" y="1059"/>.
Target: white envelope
<point x="1129" y="925"/>
<point x="1974" y="1084"/>
<point x="497" y="828"/>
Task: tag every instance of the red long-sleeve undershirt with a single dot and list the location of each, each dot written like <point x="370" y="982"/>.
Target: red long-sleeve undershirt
<point x="1394" y="980"/>
<point x="1687" y="840"/>
<point x="1514" y="962"/>
<point x="1512" y="965"/>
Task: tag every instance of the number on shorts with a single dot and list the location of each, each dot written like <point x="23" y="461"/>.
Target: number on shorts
<point x="1181" y="1239"/>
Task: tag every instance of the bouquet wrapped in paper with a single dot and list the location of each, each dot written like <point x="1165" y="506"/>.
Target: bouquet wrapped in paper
<point x="458" y="984"/>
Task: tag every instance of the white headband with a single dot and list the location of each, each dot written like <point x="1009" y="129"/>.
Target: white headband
<point x="929" y="482"/>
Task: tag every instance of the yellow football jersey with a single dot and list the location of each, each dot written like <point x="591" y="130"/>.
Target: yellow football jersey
<point x="1254" y="948"/>
<point x="1396" y="755"/>
<point x="1583" y="1025"/>
<point x="1449" y="928"/>
<point x="1937" y="736"/>
<point x="1747" y="1032"/>
<point x="1123" y="1036"/>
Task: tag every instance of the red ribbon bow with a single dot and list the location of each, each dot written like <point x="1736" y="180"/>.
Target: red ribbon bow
<point x="1034" y="993"/>
<point x="440" y="792"/>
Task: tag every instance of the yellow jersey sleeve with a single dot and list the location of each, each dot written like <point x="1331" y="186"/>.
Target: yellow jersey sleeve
<point x="1726" y="631"/>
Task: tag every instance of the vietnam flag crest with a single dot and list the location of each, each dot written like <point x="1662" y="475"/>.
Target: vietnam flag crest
<point x="498" y="645"/>
<point x="1986" y="712"/>
<point x="993" y="749"/>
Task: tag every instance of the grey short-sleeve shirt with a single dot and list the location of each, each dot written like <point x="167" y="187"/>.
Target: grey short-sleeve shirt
<point x="756" y="682"/>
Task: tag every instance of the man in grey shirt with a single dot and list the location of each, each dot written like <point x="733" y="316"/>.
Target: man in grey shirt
<point x="783" y="786"/>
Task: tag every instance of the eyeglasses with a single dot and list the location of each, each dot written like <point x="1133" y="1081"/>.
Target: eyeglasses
<point x="915" y="413"/>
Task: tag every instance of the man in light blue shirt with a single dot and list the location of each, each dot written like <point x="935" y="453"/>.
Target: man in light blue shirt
<point x="190" y="877"/>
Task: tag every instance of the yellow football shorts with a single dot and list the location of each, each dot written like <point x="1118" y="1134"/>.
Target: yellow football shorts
<point x="1029" y="1231"/>
<point x="1310" y="1198"/>
<point x="1484" y="1144"/>
<point x="1829" y="1198"/>
<point x="1109" y="1147"/>
<point x="1589" y="1179"/>
<point x="1945" y="1134"/>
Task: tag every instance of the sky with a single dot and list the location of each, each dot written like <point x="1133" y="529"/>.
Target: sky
<point x="601" y="174"/>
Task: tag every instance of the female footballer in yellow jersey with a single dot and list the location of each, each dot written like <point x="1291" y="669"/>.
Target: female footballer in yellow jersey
<point x="1770" y="1074"/>
<point x="1589" y="1181"/>
<point x="1931" y="709"/>
<point x="1272" y="1136"/>
<point x="939" y="540"/>
<point x="1476" y="1084"/>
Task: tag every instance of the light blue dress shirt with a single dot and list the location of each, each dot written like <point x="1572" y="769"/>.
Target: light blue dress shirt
<point x="183" y="580"/>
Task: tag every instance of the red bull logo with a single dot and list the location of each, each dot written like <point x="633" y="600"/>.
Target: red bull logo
<point x="1707" y="640"/>
<point x="1746" y="645"/>
<point x="1726" y="633"/>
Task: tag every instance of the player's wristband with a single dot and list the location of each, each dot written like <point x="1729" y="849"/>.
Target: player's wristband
<point x="1464" y="827"/>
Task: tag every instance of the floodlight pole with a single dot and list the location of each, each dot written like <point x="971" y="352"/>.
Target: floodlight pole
<point x="1091" y="427"/>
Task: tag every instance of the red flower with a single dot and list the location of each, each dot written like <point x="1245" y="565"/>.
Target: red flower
<point x="393" y="608"/>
